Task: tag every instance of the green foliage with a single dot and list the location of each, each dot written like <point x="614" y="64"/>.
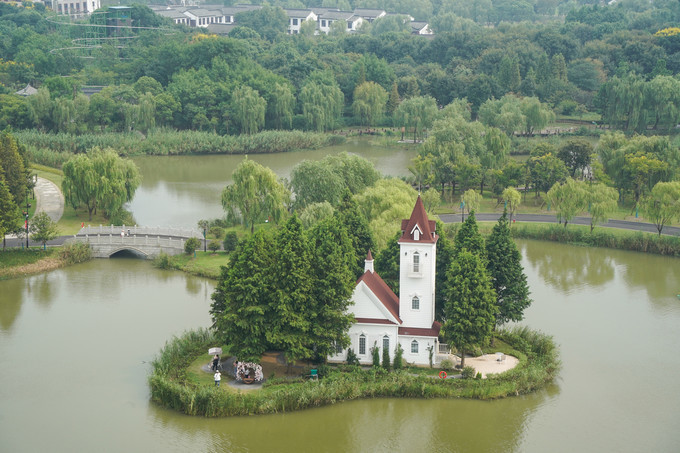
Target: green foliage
<point x="386" y="358"/>
<point x="214" y="245"/>
<point x="468" y="237"/>
<point x="230" y="241"/>
<point x="191" y="245"/>
<point x="375" y="355"/>
<point x="163" y="261"/>
<point x="446" y="365"/>
<point x="507" y="275"/>
<point x="398" y="362"/>
<point x="352" y="358"/>
<point x="75" y="252"/>
<point x="663" y="204"/>
<point x="468" y="372"/>
<point x="43" y="228"/>
<point x="255" y="195"/>
<point x="568" y="199"/>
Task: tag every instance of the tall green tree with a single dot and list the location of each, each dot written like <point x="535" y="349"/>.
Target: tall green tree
<point x="10" y="216"/>
<point x="291" y="304"/>
<point x="14" y="167"/>
<point x="255" y="195"/>
<point x="416" y="112"/>
<point x="507" y="275"/>
<point x="331" y="260"/>
<point x="576" y="155"/>
<point x="567" y="199"/>
<point x="248" y="109"/>
<point x="369" y="103"/>
<point x="663" y="204"/>
<point x="99" y="179"/>
<point x="602" y="201"/>
<point x="241" y="301"/>
<point x="470" y="308"/>
<point x="360" y="235"/>
<point x="280" y="107"/>
<point x="468" y="238"/>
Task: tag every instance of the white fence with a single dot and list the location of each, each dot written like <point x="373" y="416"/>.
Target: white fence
<point x="130" y="230"/>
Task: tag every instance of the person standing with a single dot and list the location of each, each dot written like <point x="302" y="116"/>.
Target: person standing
<point x="215" y="362"/>
<point x="218" y="378"/>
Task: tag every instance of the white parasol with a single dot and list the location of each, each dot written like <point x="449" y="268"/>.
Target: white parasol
<point x="213" y="351"/>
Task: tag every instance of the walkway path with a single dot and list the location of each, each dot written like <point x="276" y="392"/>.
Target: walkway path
<point x="48" y="198"/>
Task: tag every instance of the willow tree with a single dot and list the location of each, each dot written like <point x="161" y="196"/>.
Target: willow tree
<point x="248" y="109"/>
<point x="322" y="102"/>
<point x="416" y="112"/>
<point x="602" y="201"/>
<point x="255" y="195"/>
<point x="568" y="199"/>
<point x="369" y="102"/>
<point x="663" y="204"/>
<point x="280" y="107"/>
<point x="10" y="216"/>
<point x="99" y="179"/>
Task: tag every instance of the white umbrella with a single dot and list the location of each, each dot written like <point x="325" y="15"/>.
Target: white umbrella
<point x="213" y="351"/>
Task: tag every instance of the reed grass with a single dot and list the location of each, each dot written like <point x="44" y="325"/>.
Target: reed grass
<point x="538" y="366"/>
<point x="55" y="149"/>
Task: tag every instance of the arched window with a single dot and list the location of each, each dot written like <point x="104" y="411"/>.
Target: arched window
<point x="415" y="303"/>
<point x="416" y="262"/>
<point x="414" y="347"/>
<point x="386" y="343"/>
<point x="362" y="344"/>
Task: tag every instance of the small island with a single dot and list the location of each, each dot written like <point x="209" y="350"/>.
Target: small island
<point x="290" y="291"/>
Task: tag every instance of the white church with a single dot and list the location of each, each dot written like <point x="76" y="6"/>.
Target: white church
<point x="384" y="319"/>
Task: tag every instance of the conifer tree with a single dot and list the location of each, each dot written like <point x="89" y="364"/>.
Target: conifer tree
<point x="387" y="263"/>
<point x="445" y="255"/>
<point x="358" y="230"/>
<point x="470" y="308"/>
<point x="392" y="100"/>
<point x="468" y="237"/>
<point x="507" y="274"/>
<point x="240" y="310"/>
<point x="291" y="294"/>
<point x="331" y="260"/>
<point x="10" y="216"/>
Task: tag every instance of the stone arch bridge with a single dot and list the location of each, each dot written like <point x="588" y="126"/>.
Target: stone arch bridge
<point x="148" y="242"/>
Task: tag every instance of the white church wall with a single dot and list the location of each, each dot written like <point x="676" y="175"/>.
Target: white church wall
<point x="419" y="285"/>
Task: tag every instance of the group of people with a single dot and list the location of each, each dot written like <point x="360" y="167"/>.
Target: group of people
<point x="215" y="368"/>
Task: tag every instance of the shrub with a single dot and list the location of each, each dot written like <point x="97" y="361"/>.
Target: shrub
<point x="478" y="375"/>
<point x="398" y="363"/>
<point x="191" y="245"/>
<point x="163" y="261"/>
<point x="446" y="365"/>
<point x="468" y="372"/>
<point x="386" y="358"/>
<point x="230" y="241"/>
<point x="375" y="352"/>
<point x="216" y="231"/>
<point x="214" y="245"/>
<point x="75" y="252"/>
<point x="352" y="358"/>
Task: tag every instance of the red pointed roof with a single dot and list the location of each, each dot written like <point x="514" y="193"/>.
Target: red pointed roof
<point x="369" y="257"/>
<point x="383" y="292"/>
<point x="418" y="218"/>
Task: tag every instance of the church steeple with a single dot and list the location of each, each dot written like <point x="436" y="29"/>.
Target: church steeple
<point x="418" y="228"/>
<point x="368" y="266"/>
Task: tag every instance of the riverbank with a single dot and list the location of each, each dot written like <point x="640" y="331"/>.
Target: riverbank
<point x="538" y="366"/>
<point x="20" y="262"/>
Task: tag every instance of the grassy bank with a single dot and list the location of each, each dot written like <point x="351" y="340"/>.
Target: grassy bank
<point x="21" y="262"/>
<point x="635" y="241"/>
<point x="204" y="264"/>
<point x="54" y="149"/>
<point x="539" y="364"/>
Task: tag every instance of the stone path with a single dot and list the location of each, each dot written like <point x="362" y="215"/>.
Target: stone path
<point x="48" y="198"/>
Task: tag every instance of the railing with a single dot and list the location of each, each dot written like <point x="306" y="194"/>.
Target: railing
<point x="111" y="239"/>
<point x="130" y="230"/>
<point x="444" y="348"/>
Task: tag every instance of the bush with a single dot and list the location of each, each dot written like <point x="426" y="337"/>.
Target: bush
<point x="163" y="261"/>
<point x="230" y="241"/>
<point x="398" y="363"/>
<point x="214" y="245"/>
<point x="191" y="245"/>
<point x="446" y="365"/>
<point x="375" y="353"/>
<point x="75" y="252"/>
<point x="468" y="372"/>
<point x="216" y="231"/>
<point x="386" y="359"/>
<point x="352" y="358"/>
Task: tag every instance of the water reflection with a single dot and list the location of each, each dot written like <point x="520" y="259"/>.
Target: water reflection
<point x="663" y="271"/>
<point x="570" y="268"/>
<point x="11" y="299"/>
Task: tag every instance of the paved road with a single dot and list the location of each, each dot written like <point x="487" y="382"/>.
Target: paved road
<point x="49" y="199"/>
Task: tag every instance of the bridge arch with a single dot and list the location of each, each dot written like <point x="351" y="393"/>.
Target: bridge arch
<point x="135" y="251"/>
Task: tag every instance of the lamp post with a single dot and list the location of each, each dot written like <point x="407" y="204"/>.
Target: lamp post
<point x="205" y="242"/>
<point x="28" y="205"/>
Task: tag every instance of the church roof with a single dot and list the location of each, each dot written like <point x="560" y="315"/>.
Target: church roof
<point x="383" y="292"/>
<point x="420" y="221"/>
<point x="373" y="321"/>
<point x="420" y="332"/>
